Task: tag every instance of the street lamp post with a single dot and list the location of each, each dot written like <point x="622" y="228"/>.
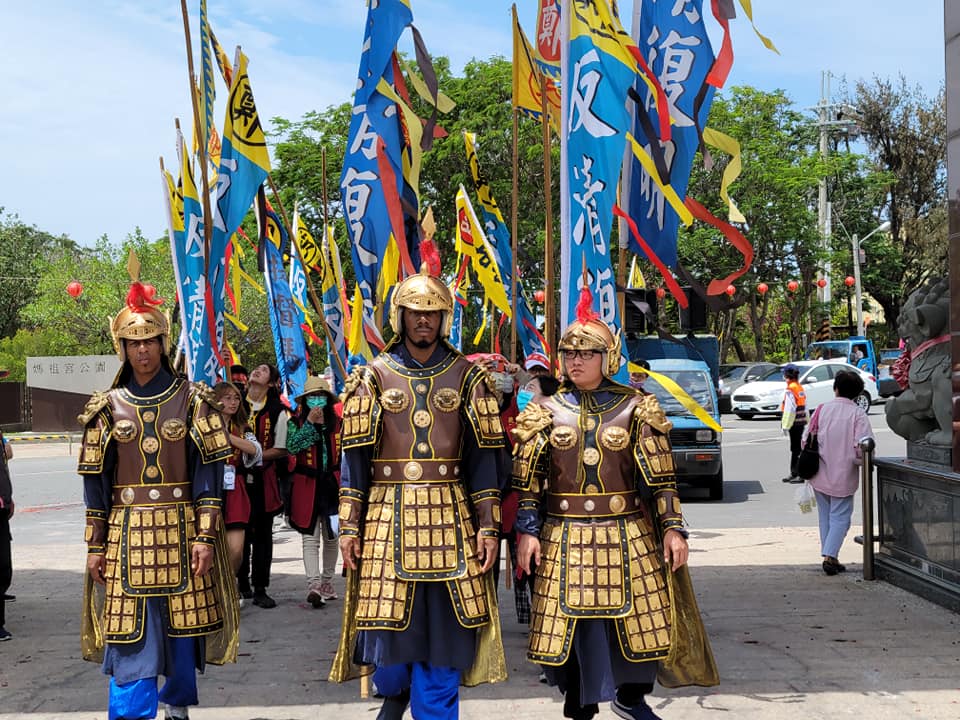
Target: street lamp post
<point x="856" y="242"/>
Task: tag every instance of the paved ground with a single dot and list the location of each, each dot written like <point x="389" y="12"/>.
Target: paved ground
<point x="790" y="642"/>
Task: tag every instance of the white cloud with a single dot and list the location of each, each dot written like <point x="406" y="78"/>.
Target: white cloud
<point x="91" y="89"/>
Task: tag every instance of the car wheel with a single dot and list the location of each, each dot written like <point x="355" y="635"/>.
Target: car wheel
<point x="716" y="486"/>
<point x="744" y="416"/>
<point x="863" y="401"/>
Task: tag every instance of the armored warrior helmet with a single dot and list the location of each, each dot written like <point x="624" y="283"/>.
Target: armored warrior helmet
<point x="589" y="332"/>
<point x="425" y="293"/>
<point x="141" y="319"/>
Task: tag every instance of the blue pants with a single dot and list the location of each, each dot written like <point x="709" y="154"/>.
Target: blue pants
<point x="139" y="699"/>
<point x="434" y="691"/>
<point x="835" y="514"/>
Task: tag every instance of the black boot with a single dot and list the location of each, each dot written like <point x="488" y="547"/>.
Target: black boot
<point x="394" y="706"/>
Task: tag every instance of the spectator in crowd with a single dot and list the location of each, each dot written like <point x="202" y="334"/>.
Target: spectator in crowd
<point x="840" y="424"/>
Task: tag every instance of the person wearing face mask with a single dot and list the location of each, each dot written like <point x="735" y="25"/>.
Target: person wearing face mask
<point x="312" y="439"/>
<point x="602" y="530"/>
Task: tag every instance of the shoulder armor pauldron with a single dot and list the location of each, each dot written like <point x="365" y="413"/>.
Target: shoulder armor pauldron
<point x="205" y="393"/>
<point x="532" y="420"/>
<point x="482" y="409"/>
<point x="95" y="404"/>
<point x="648" y="411"/>
<point x="361" y="409"/>
<point x="353" y="380"/>
<point x="207" y="429"/>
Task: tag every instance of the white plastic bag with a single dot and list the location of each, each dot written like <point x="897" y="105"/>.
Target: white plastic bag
<point x="805" y="498"/>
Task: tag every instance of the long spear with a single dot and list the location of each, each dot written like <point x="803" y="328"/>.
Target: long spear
<point x="207" y="222"/>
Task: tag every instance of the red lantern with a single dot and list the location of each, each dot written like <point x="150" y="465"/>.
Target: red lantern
<point x="849" y="281"/>
<point x="821" y="283"/>
<point x="74" y="289"/>
<point x="539" y="296"/>
<point x="762" y="288"/>
<point x="731" y="290"/>
<point x="661" y="293"/>
<point x="793" y="285"/>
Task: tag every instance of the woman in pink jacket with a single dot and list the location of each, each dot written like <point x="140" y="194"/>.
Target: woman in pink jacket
<point x="840" y="425"/>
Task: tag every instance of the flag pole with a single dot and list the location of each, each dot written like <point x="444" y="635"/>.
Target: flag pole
<point x="205" y="194"/>
<point x="314" y="300"/>
<point x="513" y="240"/>
<point x="548" y="238"/>
<point x="323" y="183"/>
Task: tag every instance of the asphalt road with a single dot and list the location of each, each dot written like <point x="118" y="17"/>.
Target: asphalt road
<point x="49" y="493"/>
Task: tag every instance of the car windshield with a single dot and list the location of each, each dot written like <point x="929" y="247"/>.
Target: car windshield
<point x="696" y="383"/>
<point x="775" y="374"/>
<point x="732" y="372"/>
<point x="828" y="351"/>
<point x="889" y="356"/>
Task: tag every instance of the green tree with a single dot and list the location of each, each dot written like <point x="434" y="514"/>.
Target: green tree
<point x="82" y="323"/>
<point x="905" y="133"/>
<point x="776" y="192"/>
<point x="22" y="251"/>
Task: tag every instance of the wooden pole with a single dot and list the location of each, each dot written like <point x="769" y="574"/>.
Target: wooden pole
<point x="204" y="194"/>
<point x="513" y="240"/>
<point x="549" y="305"/>
<point x="314" y="300"/>
<point x="323" y="185"/>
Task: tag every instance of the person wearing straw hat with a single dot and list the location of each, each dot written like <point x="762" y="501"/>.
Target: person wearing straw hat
<point x="312" y="440"/>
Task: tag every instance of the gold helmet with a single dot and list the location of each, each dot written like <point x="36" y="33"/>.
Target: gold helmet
<point x="425" y="293"/>
<point x="141" y="319"/>
<point x="589" y="332"/>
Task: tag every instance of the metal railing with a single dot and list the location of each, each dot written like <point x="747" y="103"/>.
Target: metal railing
<point x="867" y="446"/>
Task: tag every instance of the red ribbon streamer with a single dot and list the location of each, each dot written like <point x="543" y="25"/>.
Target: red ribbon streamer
<point x="724" y="60"/>
<point x="663" y="109"/>
<point x="736" y="238"/>
<point x="389" y="183"/>
<point x="668" y="278"/>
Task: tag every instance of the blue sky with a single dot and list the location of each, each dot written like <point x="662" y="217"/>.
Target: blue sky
<point x="90" y="89"/>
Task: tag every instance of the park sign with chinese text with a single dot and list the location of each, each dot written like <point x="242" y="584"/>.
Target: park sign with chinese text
<point x="80" y="374"/>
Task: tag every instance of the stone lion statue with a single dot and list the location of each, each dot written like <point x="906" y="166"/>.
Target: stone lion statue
<point x="923" y="412"/>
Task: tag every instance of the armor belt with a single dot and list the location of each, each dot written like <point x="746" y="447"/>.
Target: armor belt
<point x="427" y="471"/>
<point x="152" y="494"/>
<point x="597" y="505"/>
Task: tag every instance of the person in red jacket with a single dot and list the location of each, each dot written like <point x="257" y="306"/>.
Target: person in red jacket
<point x="312" y="443"/>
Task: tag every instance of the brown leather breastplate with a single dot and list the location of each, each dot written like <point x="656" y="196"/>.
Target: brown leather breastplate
<point x="151" y="435"/>
<point x="421" y="418"/>
<point x="591" y="447"/>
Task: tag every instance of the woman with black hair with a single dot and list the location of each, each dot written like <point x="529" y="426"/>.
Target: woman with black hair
<point x="268" y="416"/>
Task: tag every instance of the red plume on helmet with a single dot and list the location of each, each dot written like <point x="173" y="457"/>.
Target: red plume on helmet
<point x="585" y="311"/>
<point x="141" y="297"/>
<point x="431" y="256"/>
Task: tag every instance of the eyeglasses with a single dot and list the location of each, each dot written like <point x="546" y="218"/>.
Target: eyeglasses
<point x="585" y="355"/>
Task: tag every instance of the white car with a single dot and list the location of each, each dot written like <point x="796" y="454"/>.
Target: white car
<point x="764" y="396"/>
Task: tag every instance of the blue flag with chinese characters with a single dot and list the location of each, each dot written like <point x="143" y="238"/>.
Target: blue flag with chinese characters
<point x="374" y="127"/>
<point x="673" y="39"/>
<point x="291" y="351"/>
<point x="596" y="79"/>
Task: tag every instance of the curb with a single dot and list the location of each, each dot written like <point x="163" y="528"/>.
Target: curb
<point x="61" y="437"/>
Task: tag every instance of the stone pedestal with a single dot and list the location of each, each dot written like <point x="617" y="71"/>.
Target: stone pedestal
<point x="919" y="525"/>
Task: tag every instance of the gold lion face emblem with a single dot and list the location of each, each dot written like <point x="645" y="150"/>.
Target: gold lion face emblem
<point x="173" y="429"/>
<point x="563" y="437"/>
<point x="446" y="399"/>
<point x="124" y="431"/>
<point x="615" y="438"/>
<point x="394" y="400"/>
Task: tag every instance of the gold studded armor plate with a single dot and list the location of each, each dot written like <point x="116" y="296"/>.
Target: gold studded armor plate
<point x="398" y="550"/>
<point x="611" y="570"/>
<point x="147" y="555"/>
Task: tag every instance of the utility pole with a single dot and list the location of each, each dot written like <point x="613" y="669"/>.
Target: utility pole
<point x="830" y="116"/>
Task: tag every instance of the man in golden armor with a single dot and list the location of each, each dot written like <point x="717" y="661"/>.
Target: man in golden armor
<point x="420" y="513"/>
<point x="599" y="518"/>
<point x="152" y="468"/>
